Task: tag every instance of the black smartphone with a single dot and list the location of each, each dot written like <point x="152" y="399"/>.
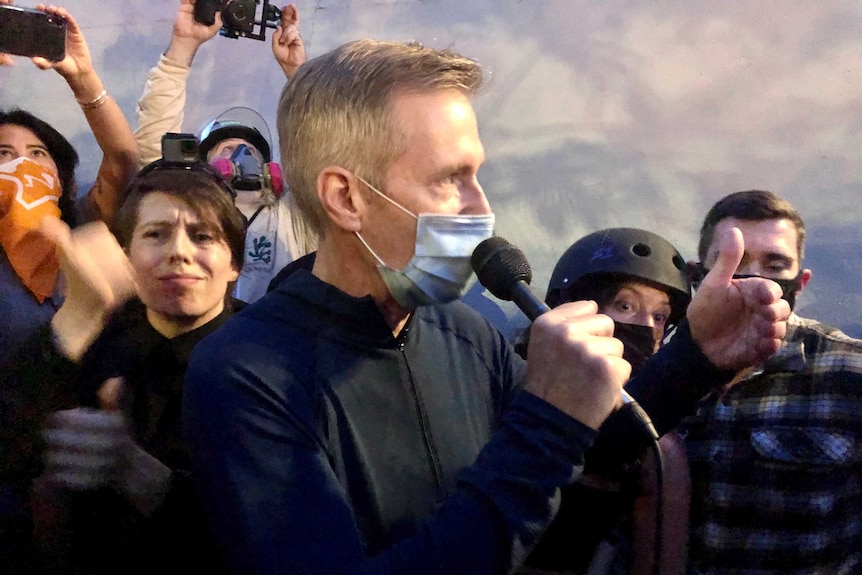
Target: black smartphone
<point x="29" y="32"/>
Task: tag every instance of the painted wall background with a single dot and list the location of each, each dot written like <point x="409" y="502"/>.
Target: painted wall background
<point x="594" y="115"/>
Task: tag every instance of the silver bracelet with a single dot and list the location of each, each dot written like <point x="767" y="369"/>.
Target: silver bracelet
<point x="100" y="99"/>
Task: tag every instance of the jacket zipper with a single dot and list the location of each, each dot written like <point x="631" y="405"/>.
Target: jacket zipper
<point x="428" y="438"/>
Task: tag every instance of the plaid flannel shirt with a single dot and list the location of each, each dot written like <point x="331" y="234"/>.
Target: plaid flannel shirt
<point x="776" y="462"/>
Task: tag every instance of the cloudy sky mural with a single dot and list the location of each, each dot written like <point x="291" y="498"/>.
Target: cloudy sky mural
<point x="594" y="115"/>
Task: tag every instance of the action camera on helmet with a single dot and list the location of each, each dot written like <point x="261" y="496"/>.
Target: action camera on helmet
<point x="180" y="148"/>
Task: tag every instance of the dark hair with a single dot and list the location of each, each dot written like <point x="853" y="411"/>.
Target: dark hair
<point x="601" y="290"/>
<point x="753" y="206"/>
<point x="201" y="188"/>
<point x="62" y="152"/>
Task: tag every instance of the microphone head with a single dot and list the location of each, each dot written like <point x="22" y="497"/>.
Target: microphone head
<point x="499" y="265"/>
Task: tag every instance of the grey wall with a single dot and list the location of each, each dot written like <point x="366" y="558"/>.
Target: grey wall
<point x="595" y="114"/>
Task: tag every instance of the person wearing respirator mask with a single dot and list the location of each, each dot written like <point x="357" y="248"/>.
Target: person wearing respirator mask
<point x="275" y="236"/>
<point x="235" y="145"/>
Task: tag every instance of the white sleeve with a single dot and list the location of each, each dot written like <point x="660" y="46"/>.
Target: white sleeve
<point x="161" y="107"/>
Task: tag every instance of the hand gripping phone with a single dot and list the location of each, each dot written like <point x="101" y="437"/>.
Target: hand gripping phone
<point x="29" y="32"/>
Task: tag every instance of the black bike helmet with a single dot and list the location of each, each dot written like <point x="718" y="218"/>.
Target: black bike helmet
<point x="620" y="254"/>
<point x="238" y="122"/>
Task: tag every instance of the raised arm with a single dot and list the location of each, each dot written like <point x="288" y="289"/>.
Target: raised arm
<point x="99" y="278"/>
<point x="112" y="132"/>
<point x="732" y="324"/>
<point x="161" y="107"/>
<point x="37" y="378"/>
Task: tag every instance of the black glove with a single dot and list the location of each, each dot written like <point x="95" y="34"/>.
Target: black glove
<point x="91" y="448"/>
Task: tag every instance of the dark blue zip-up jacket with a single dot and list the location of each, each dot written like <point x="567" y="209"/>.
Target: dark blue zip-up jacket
<point x="323" y="444"/>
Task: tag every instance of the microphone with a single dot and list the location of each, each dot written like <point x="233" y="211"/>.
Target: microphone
<point x="505" y="272"/>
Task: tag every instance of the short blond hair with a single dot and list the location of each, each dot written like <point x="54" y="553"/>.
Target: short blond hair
<point x="336" y="111"/>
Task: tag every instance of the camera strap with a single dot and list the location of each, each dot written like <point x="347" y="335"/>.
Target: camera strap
<point x="254" y="215"/>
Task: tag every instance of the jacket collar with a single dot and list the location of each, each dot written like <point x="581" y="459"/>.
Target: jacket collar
<point x="333" y="313"/>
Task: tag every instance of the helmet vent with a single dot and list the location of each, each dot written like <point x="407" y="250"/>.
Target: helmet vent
<point x="641" y="250"/>
<point x="678" y="262"/>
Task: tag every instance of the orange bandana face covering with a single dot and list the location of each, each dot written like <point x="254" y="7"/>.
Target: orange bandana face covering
<point x="28" y="193"/>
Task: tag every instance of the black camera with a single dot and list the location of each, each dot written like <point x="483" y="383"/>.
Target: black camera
<point x="239" y="17"/>
<point x="180" y="148"/>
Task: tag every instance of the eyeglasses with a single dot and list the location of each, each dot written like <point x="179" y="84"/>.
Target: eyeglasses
<point x="196" y="167"/>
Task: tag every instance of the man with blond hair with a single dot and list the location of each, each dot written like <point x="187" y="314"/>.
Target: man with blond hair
<point x="359" y="418"/>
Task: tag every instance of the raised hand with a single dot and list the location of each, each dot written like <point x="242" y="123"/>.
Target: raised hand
<point x="189" y="34"/>
<point x="90" y="448"/>
<point x="287" y="46"/>
<point x="737" y="323"/>
<point x="98" y="276"/>
<point x="85" y="448"/>
<point x="575" y="362"/>
<point x="77" y="63"/>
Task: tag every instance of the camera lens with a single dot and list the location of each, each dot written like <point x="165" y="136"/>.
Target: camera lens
<point x="238" y="15"/>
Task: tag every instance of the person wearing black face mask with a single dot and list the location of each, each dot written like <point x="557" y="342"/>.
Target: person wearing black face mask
<point x="636" y="277"/>
<point x="772" y="454"/>
<point x="640" y="280"/>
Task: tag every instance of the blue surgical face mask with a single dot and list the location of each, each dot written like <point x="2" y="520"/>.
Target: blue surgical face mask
<point x="440" y="267"/>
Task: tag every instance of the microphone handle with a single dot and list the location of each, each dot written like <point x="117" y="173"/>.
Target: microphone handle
<point x="638" y="412"/>
<point x="528" y="302"/>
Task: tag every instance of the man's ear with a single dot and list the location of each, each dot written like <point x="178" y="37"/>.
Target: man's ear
<point x="340" y="196"/>
<point x="803" y="280"/>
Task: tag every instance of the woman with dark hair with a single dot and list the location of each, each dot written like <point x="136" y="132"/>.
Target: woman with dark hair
<point x="116" y="467"/>
<point x="57" y="149"/>
<point x="36" y="159"/>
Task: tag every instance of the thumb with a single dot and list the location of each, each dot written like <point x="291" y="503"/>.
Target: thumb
<point x="57" y="231"/>
<point x="109" y="393"/>
<point x="289" y="15"/>
<point x="730" y="251"/>
<point x="41" y="62"/>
